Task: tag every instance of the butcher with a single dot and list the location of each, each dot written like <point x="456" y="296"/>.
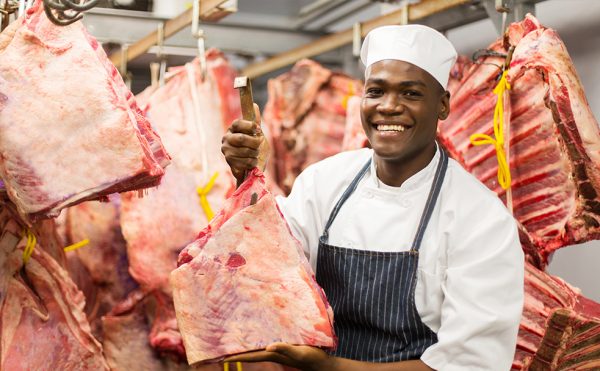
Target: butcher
<point x="420" y="261"/>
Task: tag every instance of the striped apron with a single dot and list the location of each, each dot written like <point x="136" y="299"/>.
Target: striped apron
<point x="373" y="293"/>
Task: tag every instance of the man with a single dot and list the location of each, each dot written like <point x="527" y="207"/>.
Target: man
<point x="420" y="261"/>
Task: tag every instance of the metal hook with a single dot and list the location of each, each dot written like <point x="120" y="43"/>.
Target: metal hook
<point x="22" y="4"/>
<point x="127" y="77"/>
<point x="356" y="39"/>
<point x="405" y="18"/>
<point x="9" y="7"/>
<point x="160" y="53"/>
<point x="65" y="12"/>
<point x="199" y="35"/>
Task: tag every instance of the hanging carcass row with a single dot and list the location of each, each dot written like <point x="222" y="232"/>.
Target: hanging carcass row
<point x="188" y="114"/>
<point x="70" y="130"/>
<point x="306" y="117"/>
<point x="552" y="137"/>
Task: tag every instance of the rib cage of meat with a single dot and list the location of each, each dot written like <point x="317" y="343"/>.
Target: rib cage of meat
<point x="554" y="138"/>
<point x="545" y="294"/>
<point x="306" y="115"/>
<point x="570" y="343"/>
<point x="64" y="141"/>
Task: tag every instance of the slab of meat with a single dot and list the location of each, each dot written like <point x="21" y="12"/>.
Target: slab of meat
<point x="306" y="117"/>
<point x="100" y="269"/>
<point x="127" y="330"/>
<point x="42" y="323"/>
<point x="223" y="73"/>
<point x="554" y="137"/>
<point x="69" y="129"/>
<point x="544" y="294"/>
<point x="188" y="115"/>
<point x="246" y="283"/>
<point x="571" y="342"/>
<point x="354" y="135"/>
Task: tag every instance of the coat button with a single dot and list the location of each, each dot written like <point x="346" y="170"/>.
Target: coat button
<point x="405" y="203"/>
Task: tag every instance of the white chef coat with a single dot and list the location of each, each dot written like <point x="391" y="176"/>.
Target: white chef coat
<point x="471" y="266"/>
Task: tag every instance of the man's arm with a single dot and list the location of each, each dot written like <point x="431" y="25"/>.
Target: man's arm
<point x="308" y="358"/>
<point x="483" y="291"/>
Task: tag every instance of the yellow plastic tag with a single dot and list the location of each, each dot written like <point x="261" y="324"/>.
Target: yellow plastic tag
<point x="77" y="245"/>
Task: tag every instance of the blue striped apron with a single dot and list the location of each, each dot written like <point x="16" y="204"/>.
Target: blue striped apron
<point x="373" y="293"/>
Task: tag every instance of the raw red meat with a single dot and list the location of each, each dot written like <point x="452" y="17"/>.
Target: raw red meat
<point x="354" y="135"/>
<point x="570" y="343"/>
<point x="544" y="294"/>
<point x="42" y="323"/>
<point x="246" y="283"/>
<point x="462" y="65"/>
<point x="127" y="330"/>
<point x="70" y="129"/>
<point x="554" y="138"/>
<point x="188" y="112"/>
<point x="224" y="74"/>
<point x="306" y="117"/>
<point x="100" y="269"/>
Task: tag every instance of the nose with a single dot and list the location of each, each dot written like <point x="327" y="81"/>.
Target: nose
<point x="390" y="104"/>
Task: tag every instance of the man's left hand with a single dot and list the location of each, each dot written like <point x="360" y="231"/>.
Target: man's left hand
<point x="303" y="357"/>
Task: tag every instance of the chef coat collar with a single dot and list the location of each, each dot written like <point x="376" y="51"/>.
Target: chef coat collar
<point x="419" y="179"/>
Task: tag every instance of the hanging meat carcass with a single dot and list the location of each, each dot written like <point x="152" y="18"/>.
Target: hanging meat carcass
<point x="354" y="135"/>
<point x="99" y="268"/>
<point x="306" y="117"/>
<point x="544" y="295"/>
<point x="246" y="283"/>
<point x="70" y="130"/>
<point x="42" y="323"/>
<point x="188" y="111"/>
<point x="553" y="137"/>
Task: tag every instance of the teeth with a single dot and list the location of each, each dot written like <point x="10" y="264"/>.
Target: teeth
<point x="390" y="128"/>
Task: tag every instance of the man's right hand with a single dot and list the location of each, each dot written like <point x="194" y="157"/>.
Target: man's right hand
<point x="245" y="146"/>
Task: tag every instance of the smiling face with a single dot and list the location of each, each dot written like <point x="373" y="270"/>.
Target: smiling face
<point x="400" y="110"/>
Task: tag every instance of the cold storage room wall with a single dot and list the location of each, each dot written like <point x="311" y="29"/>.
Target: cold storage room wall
<point x="578" y="24"/>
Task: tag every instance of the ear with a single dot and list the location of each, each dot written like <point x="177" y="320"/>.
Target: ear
<point x="444" y="107"/>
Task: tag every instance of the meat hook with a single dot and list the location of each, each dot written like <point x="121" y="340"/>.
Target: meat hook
<point x="65" y="12"/>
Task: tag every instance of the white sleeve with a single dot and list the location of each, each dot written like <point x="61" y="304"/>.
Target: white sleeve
<point x="483" y="295"/>
<point x="301" y="211"/>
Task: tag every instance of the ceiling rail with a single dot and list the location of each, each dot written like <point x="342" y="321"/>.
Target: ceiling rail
<point x="210" y="10"/>
<point x="418" y="11"/>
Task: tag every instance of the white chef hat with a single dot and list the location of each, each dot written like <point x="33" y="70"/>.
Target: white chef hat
<point x="417" y="44"/>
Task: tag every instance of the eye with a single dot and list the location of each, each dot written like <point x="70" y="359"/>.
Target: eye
<point x="373" y="92"/>
<point x="413" y="93"/>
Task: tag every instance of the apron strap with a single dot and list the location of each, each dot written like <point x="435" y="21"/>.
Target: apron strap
<point x="434" y="192"/>
<point x="347" y="193"/>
